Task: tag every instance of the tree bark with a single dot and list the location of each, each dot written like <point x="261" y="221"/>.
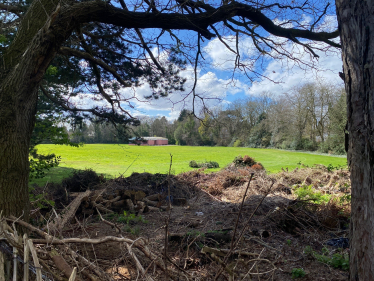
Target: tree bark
<point x="356" y="25"/>
<point x="22" y="69"/>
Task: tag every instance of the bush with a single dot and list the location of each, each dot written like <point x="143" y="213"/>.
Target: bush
<point x="237" y="143"/>
<point x="80" y="180"/>
<point x="208" y="164"/>
<point x="193" y="164"/>
<point x="245" y="161"/>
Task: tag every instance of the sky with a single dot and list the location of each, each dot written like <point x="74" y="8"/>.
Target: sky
<point x="219" y="87"/>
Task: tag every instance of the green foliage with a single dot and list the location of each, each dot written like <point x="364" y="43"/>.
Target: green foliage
<point x="193" y="164"/>
<point x="127" y="218"/>
<point x="346" y="198"/>
<point x="337" y="260"/>
<point x="208" y="164"/>
<point x="2" y="39"/>
<point x="133" y="230"/>
<point x="306" y="192"/>
<point x="297" y="273"/>
<point x="51" y="70"/>
<point x="260" y="135"/>
<point x="237" y="143"/>
<point x="288" y="241"/>
<point x="41" y="164"/>
<point x="331" y="167"/>
<point x="40" y="200"/>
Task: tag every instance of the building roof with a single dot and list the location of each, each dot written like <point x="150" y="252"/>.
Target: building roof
<point x="151" y="138"/>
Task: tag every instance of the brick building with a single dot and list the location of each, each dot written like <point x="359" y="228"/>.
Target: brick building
<point x="150" y="141"/>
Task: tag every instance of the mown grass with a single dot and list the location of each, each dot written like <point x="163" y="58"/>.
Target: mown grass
<point x="114" y="160"/>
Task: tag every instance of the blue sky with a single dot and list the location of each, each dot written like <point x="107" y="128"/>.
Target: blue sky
<point x="216" y="80"/>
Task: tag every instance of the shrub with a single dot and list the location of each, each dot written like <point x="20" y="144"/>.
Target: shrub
<point x="247" y="161"/>
<point x="237" y="143"/>
<point x="238" y="160"/>
<point x="80" y="180"/>
<point x="193" y="164"/>
<point x="208" y="164"/>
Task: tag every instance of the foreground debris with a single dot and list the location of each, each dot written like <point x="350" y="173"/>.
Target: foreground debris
<point x="221" y="226"/>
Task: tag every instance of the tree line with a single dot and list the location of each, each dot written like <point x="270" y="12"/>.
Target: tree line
<point x="310" y="117"/>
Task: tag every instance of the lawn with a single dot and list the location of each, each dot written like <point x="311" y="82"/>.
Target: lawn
<point x="114" y="160"/>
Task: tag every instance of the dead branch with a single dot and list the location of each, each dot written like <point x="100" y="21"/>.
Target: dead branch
<point x="61" y="263"/>
<point x="69" y="212"/>
<point x="137" y="263"/>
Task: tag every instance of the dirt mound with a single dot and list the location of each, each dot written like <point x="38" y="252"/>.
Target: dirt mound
<point x="276" y="226"/>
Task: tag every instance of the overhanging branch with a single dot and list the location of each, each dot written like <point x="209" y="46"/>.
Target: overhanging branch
<point x="199" y="22"/>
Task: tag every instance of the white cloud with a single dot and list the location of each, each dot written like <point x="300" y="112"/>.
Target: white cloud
<point x="289" y="73"/>
<point x="209" y="87"/>
<point x="224" y="59"/>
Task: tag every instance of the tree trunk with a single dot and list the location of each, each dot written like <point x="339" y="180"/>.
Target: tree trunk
<point x="16" y="124"/>
<point x="356" y="25"/>
<point x="20" y="74"/>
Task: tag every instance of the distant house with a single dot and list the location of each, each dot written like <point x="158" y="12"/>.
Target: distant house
<point x="149" y="141"/>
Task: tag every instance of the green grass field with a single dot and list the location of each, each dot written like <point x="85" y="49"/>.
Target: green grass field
<point x="114" y="160"/>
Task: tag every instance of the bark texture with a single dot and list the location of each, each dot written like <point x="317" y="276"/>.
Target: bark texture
<point x="356" y="25"/>
<point x="23" y="67"/>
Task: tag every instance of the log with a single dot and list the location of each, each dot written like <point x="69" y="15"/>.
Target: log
<point x="60" y="263"/>
<point x="151" y="203"/>
<point x="154" y="197"/>
<point x="36" y="260"/>
<point x="69" y="211"/>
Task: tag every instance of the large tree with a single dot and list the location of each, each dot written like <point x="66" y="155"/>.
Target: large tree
<point x="356" y="26"/>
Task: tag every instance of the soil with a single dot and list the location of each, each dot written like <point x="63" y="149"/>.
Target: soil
<point x="277" y="231"/>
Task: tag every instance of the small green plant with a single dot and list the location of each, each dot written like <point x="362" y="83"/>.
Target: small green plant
<point x="308" y="250"/>
<point x="288" y="241"/>
<point x="346" y="198"/>
<point x="297" y="273"/>
<point x="331" y="167"/>
<point x="306" y="192"/>
<point x="40" y="200"/>
<point x="337" y="260"/>
<point x="128" y="217"/>
<point x="133" y="230"/>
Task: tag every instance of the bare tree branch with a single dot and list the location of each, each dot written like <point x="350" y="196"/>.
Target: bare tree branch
<point x="12" y="9"/>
